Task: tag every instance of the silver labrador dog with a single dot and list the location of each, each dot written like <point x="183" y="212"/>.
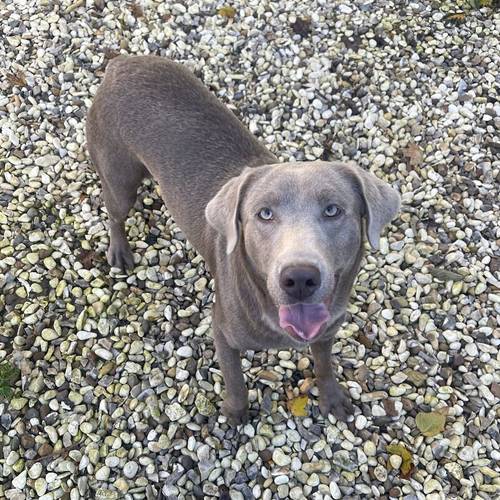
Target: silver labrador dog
<point x="283" y="240"/>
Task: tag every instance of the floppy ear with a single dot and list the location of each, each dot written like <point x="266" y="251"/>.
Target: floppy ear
<point x="222" y="211"/>
<point x="382" y="203"/>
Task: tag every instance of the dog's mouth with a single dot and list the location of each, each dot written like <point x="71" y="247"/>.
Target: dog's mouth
<point x="303" y="321"/>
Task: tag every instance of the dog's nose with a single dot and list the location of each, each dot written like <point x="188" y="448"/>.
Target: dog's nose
<point x="300" y="282"/>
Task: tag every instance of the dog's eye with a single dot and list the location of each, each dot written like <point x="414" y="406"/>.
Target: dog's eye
<point x="332" y="211"/>
<point x="265" y="214"/>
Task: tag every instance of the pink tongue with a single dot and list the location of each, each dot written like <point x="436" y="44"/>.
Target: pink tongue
<point x="305" y="320"/>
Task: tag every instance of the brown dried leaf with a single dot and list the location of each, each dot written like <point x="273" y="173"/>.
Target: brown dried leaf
<point x="136" y="10"/>
<point x="17" y="79"/>
<point x="86" y="258"/>
<point x="413" y="153"/>
<point x="227" y="11"/>
<point x="110" y="53"/>
<point x="455" y="17"/>
<point x="297" y="406"/>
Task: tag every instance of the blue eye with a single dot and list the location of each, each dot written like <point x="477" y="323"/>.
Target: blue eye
<point x="332" y="211"/>
<point x="265" y="214"/>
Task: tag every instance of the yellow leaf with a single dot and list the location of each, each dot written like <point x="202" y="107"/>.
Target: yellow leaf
<point x="227" y="11"/>
<point x="297" y="406"/>
<point x="430" y="424"/>
<point x="407" y="463"/>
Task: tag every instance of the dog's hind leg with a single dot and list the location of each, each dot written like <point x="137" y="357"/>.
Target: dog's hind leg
<point x="120" y="176"/>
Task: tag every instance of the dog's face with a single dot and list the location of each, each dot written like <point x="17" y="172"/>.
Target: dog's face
<point x="301" y="225"/>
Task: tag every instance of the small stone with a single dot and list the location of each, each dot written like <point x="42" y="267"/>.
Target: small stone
<point x="360" y="422"/>
<point x="175" y="411"/>
<point x="395" y="461"/>
<point x="471" y="350"/>
<point x="343" y="461"/>
<point x="40" y="486"/>
<point x="112" y="461"/>
<point x="369" y="448"/>
<point x="387" y="314"/>
<point x="18" y="403"/>
<point x="102" y="474"/>
<point x="84" y="335"/>
<point x="204" y="405"/>
<point x="45" y="449"/>
<point x="185" y="351"/>
<point x="335" y="490"/>
<point x="439" y="448"/>
<point x="467" y="454"/>
<point x="318" y="466"/>
<point x="27" y="441"/>
<point x="200" y="284"/>
<point x="104" y="354"/>
<point x="303" y="364"/>
<point x="19" y="482"/>
<point x="47" y="160"/>
<point x="130" y="469"/>
<point x="380" y="472"/>
<point x="35" y="470"/>
<point x="280" y="458"/>
<point x="431" y="485"/>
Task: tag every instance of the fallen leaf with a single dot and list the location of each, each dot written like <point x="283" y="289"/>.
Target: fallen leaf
<point x="455" y="17"/>
<point x="17" y="79"/>
<point x="445" y="275"/>
<point x="136" y="10"/>
<point x="227" y="11"/>
<point x="430" y="424"/>
<point x="442" y="411"/>
<point x="302" y="26"/>
<point x="297" y="406"/>
<point x="110" y="53"/>
<point x="86" y="258"/>
<point x="418" y="379"/>
<point x="407" y="464"/>
<point x="413" y="152"/>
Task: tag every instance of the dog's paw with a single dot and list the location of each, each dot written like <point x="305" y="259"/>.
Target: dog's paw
<point x="120" y="255"/>
<point x="338" y="403"/>
<point x="235" y="416"/>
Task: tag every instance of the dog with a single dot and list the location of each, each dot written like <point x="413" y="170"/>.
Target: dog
<point x="283" y="241"/>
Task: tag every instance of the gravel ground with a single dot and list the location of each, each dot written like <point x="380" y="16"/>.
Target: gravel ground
<point x="118" y="393"/>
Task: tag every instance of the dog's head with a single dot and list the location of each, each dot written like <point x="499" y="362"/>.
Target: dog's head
<point x="301" y="225"/>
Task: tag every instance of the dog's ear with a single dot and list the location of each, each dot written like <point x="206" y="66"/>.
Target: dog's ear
<point x="223" y="210"/>
<point x="381" y="202"/>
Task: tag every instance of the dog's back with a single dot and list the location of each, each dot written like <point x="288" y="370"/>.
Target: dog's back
<point x="151" y="115"/>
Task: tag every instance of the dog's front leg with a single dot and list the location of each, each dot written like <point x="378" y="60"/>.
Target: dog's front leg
<point x="235" y="405"/>
<point x="332" y="397"/>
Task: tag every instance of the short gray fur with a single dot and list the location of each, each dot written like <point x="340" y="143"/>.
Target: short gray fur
<point x="153" y="117"/>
